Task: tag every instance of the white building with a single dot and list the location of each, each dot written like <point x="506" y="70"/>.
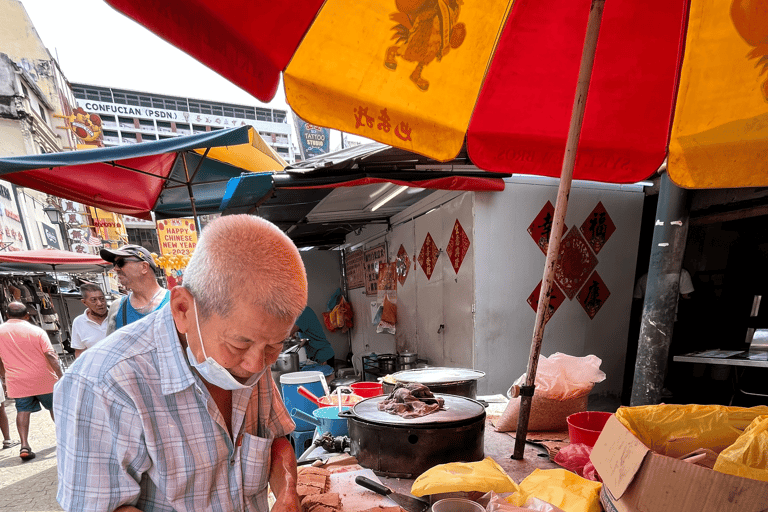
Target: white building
<point x="130" y="117"/>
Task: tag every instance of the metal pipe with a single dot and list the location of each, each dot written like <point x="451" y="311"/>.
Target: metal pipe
<point x="661" y="294"/>
<point x="566" y="176"/>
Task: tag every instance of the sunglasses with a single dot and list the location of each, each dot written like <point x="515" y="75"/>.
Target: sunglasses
<point x="120" y="262"/>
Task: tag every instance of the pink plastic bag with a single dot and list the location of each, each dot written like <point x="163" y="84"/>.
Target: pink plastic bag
<point x="575" y="457"/>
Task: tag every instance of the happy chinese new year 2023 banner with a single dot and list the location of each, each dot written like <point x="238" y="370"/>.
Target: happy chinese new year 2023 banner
<point x="178" y="239"/>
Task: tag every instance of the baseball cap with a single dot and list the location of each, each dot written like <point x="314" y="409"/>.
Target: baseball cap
<point x="128" y="251"/>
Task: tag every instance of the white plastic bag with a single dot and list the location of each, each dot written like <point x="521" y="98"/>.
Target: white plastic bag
<point x="563" y="384"/>
<point x="561" y="376"/>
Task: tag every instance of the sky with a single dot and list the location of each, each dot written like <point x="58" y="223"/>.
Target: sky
<point x="132" y="58"/>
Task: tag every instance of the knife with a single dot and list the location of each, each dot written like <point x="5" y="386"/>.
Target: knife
<point x="409" y="503"/>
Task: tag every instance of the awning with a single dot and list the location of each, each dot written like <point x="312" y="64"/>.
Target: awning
<point x="151" y="176"/>
<point x="290" y="199"/>
<point x="50" y="260"/>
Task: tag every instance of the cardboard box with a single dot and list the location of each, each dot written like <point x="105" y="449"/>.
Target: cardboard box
<point x="635" y="479"/>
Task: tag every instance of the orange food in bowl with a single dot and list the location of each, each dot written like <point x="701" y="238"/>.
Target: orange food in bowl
<point x="330" y="400"/>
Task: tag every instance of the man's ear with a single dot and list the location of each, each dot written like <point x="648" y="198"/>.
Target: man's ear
<point x="182" y="308"/>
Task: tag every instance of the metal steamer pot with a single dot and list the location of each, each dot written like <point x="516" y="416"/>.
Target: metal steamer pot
<point x="287" y="362"/>
<point x="452" y="381"/>
<point x="404" y="448"/>
<point x="387" y="362"/>
<point x="407" y="360"/>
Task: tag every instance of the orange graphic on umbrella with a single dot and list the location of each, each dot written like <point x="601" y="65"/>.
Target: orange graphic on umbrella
<point x="425" y="30"/>
<point x="750" y="17"/>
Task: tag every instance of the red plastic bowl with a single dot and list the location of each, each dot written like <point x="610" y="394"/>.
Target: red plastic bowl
<point x="585" y="427"/>
<point x="368" y="389"/>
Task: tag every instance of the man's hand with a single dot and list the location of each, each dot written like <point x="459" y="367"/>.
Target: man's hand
<point x="282" y="477"/>
<point x="53" y="360"/>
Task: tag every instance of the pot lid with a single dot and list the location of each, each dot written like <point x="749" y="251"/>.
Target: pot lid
<point x="457" y="408"/>
<point x="438" y="375"/>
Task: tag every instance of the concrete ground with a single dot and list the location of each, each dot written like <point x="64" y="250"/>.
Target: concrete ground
<point x="30" y="486"/>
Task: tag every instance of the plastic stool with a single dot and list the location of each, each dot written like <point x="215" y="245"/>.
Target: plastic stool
<point x="301" y="440"/>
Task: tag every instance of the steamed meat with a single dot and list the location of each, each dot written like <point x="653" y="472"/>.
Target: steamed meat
<point x="411" y="401"/>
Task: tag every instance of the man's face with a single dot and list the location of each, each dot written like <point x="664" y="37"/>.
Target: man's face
<point x="96" y="302"/>
<point x="244" y="343"/>
<point x="129" y="270"/>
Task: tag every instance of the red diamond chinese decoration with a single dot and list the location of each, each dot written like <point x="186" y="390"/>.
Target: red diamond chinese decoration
<point x="593" y="295"/>
<point x="457" y="246"/>
<point x="541" y="227"/>
<point x="574" y="263"/>
<point x="402" y="264"/>
<point x="598" y="227"/>
<point x="556" y="297"/>
<point x="428" y="256"/>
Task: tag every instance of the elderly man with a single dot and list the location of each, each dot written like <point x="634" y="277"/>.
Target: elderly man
<point x="90" y="327"/>
<point x="30" y="367"/>
<point x="135" y="269"/>
<point x="178" y="411"/>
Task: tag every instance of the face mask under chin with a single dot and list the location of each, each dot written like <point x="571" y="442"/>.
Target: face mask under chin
<point x="212" y="371"/>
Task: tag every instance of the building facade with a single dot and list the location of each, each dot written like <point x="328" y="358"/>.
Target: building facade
<point x="131" y="117"/>
<point x="34" y="99"/>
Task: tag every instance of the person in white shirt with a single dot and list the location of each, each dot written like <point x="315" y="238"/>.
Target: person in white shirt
<point x="90" y="327"/>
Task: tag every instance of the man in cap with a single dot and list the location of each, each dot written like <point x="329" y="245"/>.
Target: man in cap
<point x="90" y="327"/>
<point x="135" y="269"/>
<point x="178" y="410"/>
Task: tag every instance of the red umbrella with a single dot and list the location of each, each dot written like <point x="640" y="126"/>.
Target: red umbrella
<point x="424" y="74"/>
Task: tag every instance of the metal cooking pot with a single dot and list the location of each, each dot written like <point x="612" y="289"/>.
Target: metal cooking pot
<point x="406" y="360"/>
<point x="287" y="362"/>
<point x="387" y="363"/>
<point x="404" y="448"/>
<point x="452" y="381"/>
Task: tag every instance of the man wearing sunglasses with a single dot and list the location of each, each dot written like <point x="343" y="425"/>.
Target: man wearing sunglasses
<point x="178" y="411"/>
<point x="135" y="269"/>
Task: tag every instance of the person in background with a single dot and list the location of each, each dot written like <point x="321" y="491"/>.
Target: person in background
<point x="135" y="269"/>
<point x="30" y="367"/>
<point x="178" y="410"/>
<point x="317" y="346"/>
<point x="90" y="327"/>
<point x="4" y="426"/>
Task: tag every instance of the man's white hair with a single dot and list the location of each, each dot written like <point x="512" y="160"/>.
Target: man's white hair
<point x="246" y="258"/>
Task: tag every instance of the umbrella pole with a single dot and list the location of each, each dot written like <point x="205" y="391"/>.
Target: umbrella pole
<point x="564" y="190"/>
<point x="191" y="195"/>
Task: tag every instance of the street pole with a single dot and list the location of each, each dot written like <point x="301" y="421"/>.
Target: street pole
<point x="661" y="293"/>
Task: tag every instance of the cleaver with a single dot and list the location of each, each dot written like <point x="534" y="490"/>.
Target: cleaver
<point x="409" y="503"/>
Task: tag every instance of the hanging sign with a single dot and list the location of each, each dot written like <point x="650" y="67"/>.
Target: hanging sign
<point x="458" y="245"/>
<point x="50" y="236"/>
<point x="313" y="140"/>
<point x="178" y="239"/>
<point x="371" y="259"/>
<point x="598" y="227"/>
<point x="428" y="256"/>
<point x="403" y="264"/>
<point x="556" y="297"/>
<point x="593" y="295"/>
<point x="354" y="267"/>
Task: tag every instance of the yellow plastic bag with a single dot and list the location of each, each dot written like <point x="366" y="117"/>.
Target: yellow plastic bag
<point x="748" y="456"/>
<point x="675" y="430"/>
<point x="483" y="476"/>
<point x="562" y="489"/>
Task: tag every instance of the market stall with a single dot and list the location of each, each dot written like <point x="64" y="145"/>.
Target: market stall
<point x="44" y="281"/>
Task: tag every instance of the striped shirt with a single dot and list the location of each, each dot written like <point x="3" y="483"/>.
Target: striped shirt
<point x="136" y="426"/>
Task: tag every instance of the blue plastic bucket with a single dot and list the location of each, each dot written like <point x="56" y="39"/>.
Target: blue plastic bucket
<point x="326" y="418"/>
<point x="290" y="383"/>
